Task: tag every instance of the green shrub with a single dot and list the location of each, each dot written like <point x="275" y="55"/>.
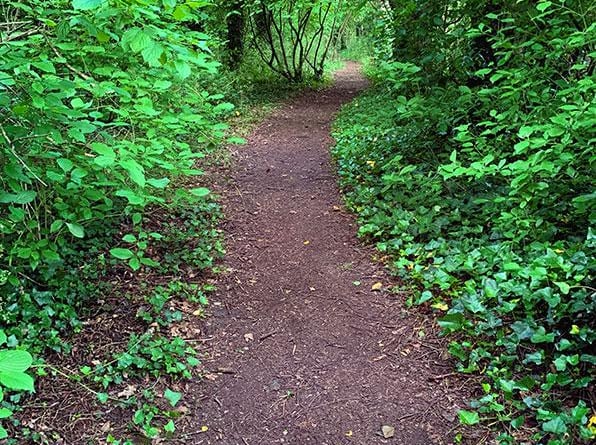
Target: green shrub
<point x="483" y="193"/>
<point x="100" y="121"/>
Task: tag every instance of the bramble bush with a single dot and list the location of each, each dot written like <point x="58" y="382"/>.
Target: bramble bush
<point x="471" y="163"/>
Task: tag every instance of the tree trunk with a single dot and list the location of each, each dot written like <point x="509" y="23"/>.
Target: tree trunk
<point x="235" y="24"/>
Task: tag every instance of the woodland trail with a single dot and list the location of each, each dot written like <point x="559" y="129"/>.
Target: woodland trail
<point x="299" y="354"/>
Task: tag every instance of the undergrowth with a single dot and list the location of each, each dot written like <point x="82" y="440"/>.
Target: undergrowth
<point x="482" y="193"/>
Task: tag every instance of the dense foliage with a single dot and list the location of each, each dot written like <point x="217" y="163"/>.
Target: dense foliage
<point x="471" y="163"/>
<point x="96" y="126"/>
<point x="101" y="118"/>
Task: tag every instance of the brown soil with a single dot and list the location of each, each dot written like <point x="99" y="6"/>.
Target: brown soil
<point x="299" y="353"/>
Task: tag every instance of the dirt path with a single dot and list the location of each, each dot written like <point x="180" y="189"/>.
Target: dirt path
<point x="308" y="357"/>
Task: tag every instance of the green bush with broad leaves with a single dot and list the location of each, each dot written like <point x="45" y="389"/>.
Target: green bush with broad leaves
<point x="104" y="116"/>
<point x="100" y="119"/>
<point x="476" y="175"/>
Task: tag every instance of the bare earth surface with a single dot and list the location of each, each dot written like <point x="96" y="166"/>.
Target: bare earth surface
<point x="299" y="354"/>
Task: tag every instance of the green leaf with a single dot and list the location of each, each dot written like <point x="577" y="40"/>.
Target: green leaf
<point x="152" y="54"/>
<point x="169" y="427"/>
<point x="104" y="161"/>
<point x="139" y="40"/>
<point x="159" y="183"/>
<point x="236" y="140"/>
<point x="129" y="238"/>
<point x="524" y="132"/>
<point x="3" y="433"/>
<point x="490" y="288"/>
<point x="149" y="262"/>
<point x="520" y="147"/>
<point x="511" y="266"/>
<point x="24" y="197"/>
<point x="132" y="197"/>
<point x="193" y="361"/>
<point x="182" y="68"/>
<point x="556" y="426"/>
<point x="540" y="336"/>
<point x="77" y="230"/>
<point x="223" y="107"/>
<point x="65" y="164"/>
<point x="200" y="192"/>
<point x="468" y="417"/>
<point x="181" y="12"/>
<point x="424" y="297"/>
<point x="84" y="5"/>
<point x="472" y="303"/>
<point x="2" y="337"/>
<point x="451" y="322"/>
<point x="122" y="254"/>
<point x="564" y="287"/>
<point x="543" y="6"/>
<point x="17" y="380"/>
<point x="518" y="422"/>
<point x="45" y="66"/>
<point x="5" y="413"/>
<point x="103" y="150"/>
<point x="135" y="171"/>
<point x="102" y="397"/>
<point x="561" y="363"/>
<point x="15" y="361"/>
<point x="134" y="263"/>
<point x="172" y="396"/>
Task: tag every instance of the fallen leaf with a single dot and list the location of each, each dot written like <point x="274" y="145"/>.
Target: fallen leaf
<point x="377" y="286"/>
<point x="440" y="306"/>
<point x="349" y="433"/>
<point x="356" y="283"/>
<point x="388" y="431"/>
<point x="127" y="392"/>
<point x="592" y="424"/>
<point x="249" y="337"/>
<point x="336" y="208"/>
<point x="204" y="429"/>
<point x="306" y="243"/>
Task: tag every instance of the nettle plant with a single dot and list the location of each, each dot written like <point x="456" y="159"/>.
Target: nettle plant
<point x="99" y="120"/>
